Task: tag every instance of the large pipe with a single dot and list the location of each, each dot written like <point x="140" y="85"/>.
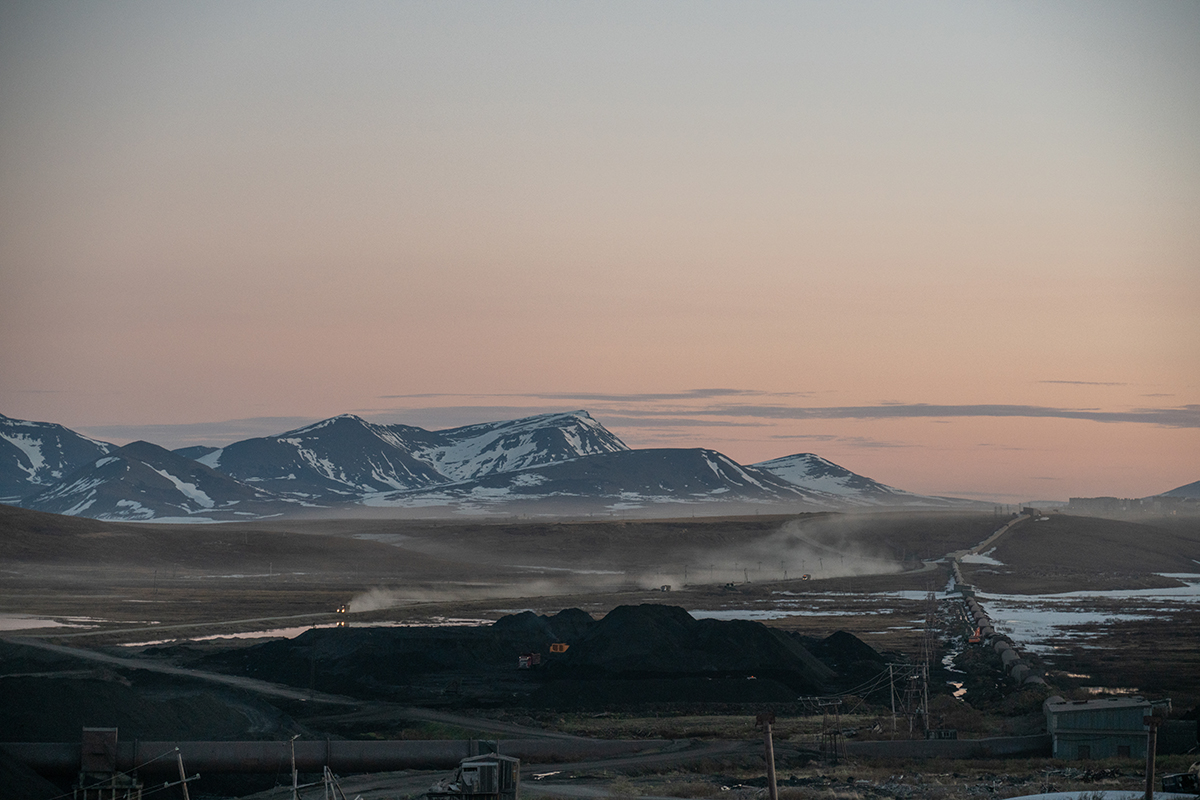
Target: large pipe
<point x="346" y="757"/>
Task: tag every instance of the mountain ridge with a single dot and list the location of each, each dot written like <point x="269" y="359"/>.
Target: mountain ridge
<point x="559" y="462"/>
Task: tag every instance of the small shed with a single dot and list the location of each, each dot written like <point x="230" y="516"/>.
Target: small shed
<point x="1107" y="728"/>
<point x="485" y="777"/>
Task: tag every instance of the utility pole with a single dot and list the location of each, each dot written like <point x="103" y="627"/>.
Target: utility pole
<point x="767" y="719"/>
<point x="183" y="779"/>
<point x="1152" y="724"/>
<point x="892" y="686"/>
<point x="295" y="774"/>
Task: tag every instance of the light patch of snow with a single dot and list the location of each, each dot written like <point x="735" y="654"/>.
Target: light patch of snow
<point x="136" y="510"/>
<point x="32" y="448"/>
<point x="982" y="558"/>
<point x="78" y="487"/>
<point x="82" y="505"/>
<point x="189" y="489"/>
<point x="528" y="479"/>
<point x="213" y="460"/>
<point x="485" y="492"/>
<point x="1036" y="621"/>
<point x="106" y="460"/>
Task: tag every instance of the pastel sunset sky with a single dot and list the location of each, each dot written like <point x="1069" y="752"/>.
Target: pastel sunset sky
<point x="953" y="246"/>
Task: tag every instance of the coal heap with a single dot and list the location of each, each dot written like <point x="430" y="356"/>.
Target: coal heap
<point x="636" y="654"/>
<point x="650" y="641"/>
<point x="851" y="658"/>
<point x="567" y="625"/>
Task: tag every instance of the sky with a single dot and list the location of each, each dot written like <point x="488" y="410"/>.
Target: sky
<point x="953" y="246"/>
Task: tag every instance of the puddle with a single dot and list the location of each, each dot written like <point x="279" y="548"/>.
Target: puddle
<point x="24" y="622"/>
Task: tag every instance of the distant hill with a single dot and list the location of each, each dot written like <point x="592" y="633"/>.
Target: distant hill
<point x="619" y="481"/>
<point x="815" y="474"/>
<point x="34" y="455"/>
<point x="545" y="464"/>
<point x="1191" y="490"/>
<point x="142" y="481"/>
<point x="335" y="460"/>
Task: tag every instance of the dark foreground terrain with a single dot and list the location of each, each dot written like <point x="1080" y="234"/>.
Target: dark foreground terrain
<point x="438" y="613"/>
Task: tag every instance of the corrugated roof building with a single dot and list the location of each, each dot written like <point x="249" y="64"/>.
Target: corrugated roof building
<point x="1108" y="728"/>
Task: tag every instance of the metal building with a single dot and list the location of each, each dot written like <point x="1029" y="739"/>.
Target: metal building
<point x="1108" y="728"/>
<point x="486" y="777"/>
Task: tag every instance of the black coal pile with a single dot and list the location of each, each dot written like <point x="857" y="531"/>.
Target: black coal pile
<point x="449" y="665"/>
<point x="661" y="654"/>
<point x="635" y="655"/>
<point x="854" y="661"/>
<point x="566" y="626"/>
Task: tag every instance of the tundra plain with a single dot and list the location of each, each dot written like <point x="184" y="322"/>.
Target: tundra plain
<point x="1101" y="606"/>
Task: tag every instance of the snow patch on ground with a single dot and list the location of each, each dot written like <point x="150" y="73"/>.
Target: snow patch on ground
<point x="982" y="558"/>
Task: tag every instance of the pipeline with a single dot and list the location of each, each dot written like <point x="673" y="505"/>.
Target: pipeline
<point x="1017" y="668"/>
<point x="345" y="757"/>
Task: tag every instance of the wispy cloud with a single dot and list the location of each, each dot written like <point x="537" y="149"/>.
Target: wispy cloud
<point x="606" y="397"/>
<point x="847" y="441"/>
<point x="658" y="415"/>
<point x="1187" y="416"/>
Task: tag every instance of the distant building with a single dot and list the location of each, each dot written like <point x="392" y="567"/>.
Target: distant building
<point x="1158" y="504"/>
<point x="1086" y="729"/>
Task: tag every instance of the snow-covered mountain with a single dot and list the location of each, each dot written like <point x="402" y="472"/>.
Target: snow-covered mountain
<point x="618" y="481"/>
<point x="492" y="447"/>
<point x="338" y="459"/>
<point x="143" y="481"/>
<point x="812" y="472"/>
<point x="34" y="455"/>
<point x="346" y="457"/>
<point x="552" y="463"/>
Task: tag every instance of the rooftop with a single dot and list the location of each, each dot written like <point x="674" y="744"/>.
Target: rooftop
<point x="1057" y="703"/>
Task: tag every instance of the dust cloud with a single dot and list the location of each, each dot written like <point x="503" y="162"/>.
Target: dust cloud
<point x="822" y="548"/>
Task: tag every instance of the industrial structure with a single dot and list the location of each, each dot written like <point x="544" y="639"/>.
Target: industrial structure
<point x="1113" y="727"/>
<point x="99" y="778"/>
<point x="486" y="777"/>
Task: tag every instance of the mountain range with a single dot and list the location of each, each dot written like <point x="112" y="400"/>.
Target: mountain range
<point x="564" y="463"/>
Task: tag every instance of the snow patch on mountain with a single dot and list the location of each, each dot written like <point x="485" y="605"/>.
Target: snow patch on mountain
<point x="34" y="455"/>
<point x="32" y="448"/>
<point x="188" y="489"/>
<point x="491" y="447"/>
<point x="212" y="460"/>
<point x="848" y="489"/>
